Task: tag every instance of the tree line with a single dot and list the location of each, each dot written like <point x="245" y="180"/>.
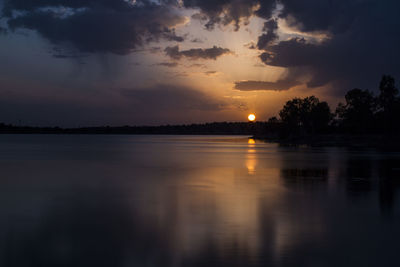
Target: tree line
<point x="361" y="113"/>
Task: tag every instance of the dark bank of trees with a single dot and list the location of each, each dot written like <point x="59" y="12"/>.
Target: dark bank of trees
<point x="362" y="113"/>
<point x="366" y="113"/>
<point x="308" y="115"/>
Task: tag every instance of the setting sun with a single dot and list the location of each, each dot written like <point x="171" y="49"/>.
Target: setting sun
<point x="251" y="117"/>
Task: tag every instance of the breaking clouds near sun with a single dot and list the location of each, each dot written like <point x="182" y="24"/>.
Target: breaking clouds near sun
<point x="316" y="45"/>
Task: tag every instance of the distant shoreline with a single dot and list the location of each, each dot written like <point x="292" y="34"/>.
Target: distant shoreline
<point x="214" y="128"/>
<point x="261" y="131"/>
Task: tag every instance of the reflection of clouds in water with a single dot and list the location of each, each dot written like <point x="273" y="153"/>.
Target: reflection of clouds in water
<point x="217" y="203"/>
<point x="224" y="213"/>
<point x="227" y="208"/>
<point x="244" y="204"/>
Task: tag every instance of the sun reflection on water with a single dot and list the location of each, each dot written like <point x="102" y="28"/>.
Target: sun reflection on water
<point x="251" y="157"/>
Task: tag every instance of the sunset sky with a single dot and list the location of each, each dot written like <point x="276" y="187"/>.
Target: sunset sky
<point x="146" y="62"/>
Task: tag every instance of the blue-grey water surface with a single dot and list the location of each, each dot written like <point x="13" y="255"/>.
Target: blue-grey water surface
<point x="119" y="201"/>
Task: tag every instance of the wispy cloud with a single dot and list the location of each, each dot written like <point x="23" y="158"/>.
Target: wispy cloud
<point x="196" y="53"/>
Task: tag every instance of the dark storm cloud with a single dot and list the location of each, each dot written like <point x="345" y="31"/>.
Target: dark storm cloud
<point x="115" y="26"/>
<point x="307" y="15"/>
<point x="356" y="56"/>
<point x="363" y="43"/>
<point x="222" y="11"/>
<point x="325" y="15"/>
<point x="285" y="53"/>
<point x="2" y="30"/>
<point x="270" y="34"/>
<point x="29" y="5"/>
<point x="280" y="85"/>
<point x="196" y="53"/>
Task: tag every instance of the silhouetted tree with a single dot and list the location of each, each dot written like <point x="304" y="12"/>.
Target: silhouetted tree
<point x="306" y="115"/>
<point x="388" y="93"/>
<point x="357" y="115"/>
<point x="321" y="116"/>
<point x="388" y="104"/>
<point x="290" y="113"/>
<point x="273" y="120"/>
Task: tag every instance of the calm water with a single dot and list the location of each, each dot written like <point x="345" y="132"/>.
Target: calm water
<point x="194" y="201"/>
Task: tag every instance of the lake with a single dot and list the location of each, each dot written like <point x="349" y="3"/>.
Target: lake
<point x="97" y="200"/>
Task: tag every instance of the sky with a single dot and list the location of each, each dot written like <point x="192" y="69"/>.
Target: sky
<point x="78" y="63"/>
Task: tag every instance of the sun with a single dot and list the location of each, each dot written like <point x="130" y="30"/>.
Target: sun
<point x="251" y="117"/>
